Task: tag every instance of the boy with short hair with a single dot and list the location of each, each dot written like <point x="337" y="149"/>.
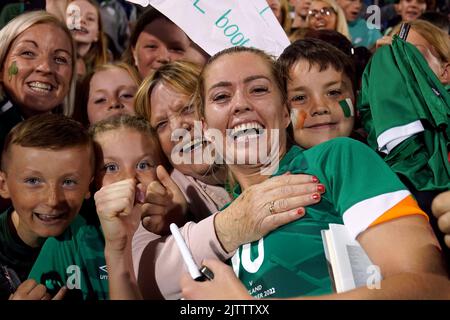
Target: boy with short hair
<point x="320" y="83"/>
<point x="47" y="165"/>
<point x="77" y="258"/>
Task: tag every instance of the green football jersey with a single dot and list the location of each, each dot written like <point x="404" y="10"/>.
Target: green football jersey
<point x="407" y="118"/>
<point x="75" y="259"/>
<point x="290" y="261"/>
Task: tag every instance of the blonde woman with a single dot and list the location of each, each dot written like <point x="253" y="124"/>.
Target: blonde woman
<point x="37" y="59"/>
<point x="432" y="42"/>
<point x="326" y="14"/>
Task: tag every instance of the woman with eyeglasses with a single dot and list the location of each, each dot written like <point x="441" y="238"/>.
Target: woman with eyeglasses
<point x="326" y="14"/>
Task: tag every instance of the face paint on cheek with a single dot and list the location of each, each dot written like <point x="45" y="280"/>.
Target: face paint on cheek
<point x="347" y="107"/>
<point x="13" y="70"/>
<point x="298" y="118"/>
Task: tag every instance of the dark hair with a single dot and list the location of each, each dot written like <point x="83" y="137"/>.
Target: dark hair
<point x="149" y="15"/>
<point x="98" y="52"/>
<point x="47" y="131"/>
<point x="439" y="19"/>
<point x="319" y="53"/>
<point x="332" y="37"/>
<point x="360" y="56"/>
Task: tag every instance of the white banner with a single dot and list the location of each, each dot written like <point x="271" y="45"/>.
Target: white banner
<point x="218" y="24"/>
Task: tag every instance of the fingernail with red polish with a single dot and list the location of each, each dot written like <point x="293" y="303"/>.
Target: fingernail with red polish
<point x="321" y="188"/>
<point x="300" y="211"/>
<point x="316" y="196"/>
<point x="314" y="179"/>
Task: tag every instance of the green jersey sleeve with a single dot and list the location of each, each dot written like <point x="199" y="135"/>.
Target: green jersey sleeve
<point x="359" y="184"/>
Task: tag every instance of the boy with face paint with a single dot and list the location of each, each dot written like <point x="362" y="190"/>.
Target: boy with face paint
<point x="320" y="87"/>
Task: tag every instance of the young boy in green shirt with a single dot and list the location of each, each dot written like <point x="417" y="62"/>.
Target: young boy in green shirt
<point x="47" y="165"/>
<point x="77" y="257"/>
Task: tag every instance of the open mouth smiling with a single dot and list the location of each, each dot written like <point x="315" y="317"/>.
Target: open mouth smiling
<point x="246" y="130"/>
<point x="40" y="87"/>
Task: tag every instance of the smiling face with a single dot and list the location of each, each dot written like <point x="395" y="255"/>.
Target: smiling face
<point x="351" y="8"/>
<point x="411" y="9"/>
<point x="119" y="159"/>
<point x="243" y="102"/>
<point x="83" y="22"/>
<point x="47" y="188"/>
<point x="111" y="92"/>
<point x="317" y="94"/>
<point x="171" y="110"/>
<point x="161" y="42"/>
<point x="37" y="70"/>
<point x="321" y="16"/>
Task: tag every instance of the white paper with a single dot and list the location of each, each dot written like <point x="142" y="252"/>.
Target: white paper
<point x="349" y="262"/>
<point x="216" y="25"/>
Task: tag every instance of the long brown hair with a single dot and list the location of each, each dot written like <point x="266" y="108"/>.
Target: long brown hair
<point x="98" y="52"/>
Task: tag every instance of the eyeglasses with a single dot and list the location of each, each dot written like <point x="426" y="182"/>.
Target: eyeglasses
<point x="327" y="11"/>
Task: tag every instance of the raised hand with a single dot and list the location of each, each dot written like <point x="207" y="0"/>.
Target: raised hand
<point x="264" y="207"/>
<point x="224" y="286"/>
<point x="441" y="210"/>
<point x="31" y="290"/>
<point x="165" y="204"/>
<point x="119" y="207"/>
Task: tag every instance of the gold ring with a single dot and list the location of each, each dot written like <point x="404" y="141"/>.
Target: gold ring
<point x="272" y="207"/>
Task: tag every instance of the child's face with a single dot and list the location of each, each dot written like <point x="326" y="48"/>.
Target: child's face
<point x="125" y="154"/>
<point x="411" y="9"/>
<point x="351" y="8"/>
<point x="111" y="92"/>
<point x="47" y="187"/>
<point x="82" y="20"/>
<point x="161" y="42"/>
<point x="316" y="95"/>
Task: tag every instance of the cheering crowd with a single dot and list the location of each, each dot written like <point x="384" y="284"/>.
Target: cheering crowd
<point x="114" y="124"/>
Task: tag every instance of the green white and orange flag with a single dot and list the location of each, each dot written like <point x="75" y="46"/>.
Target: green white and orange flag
<point x="406" y="111"/>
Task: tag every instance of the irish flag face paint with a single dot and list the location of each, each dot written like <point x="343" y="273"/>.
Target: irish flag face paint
<point x="347" y="107"/>
<point x="298" y="118"/>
